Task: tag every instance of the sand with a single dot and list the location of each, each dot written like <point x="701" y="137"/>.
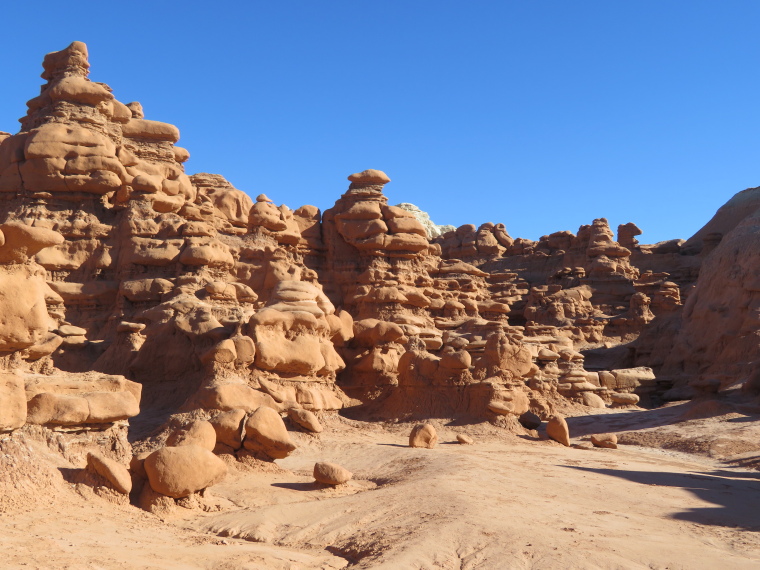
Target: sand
<point x="508" y="501"/>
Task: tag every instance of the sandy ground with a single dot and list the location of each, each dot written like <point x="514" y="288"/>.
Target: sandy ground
<point x="508" y="501"/>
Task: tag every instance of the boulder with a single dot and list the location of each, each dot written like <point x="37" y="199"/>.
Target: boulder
<point x="331" y="473"/>
<point x="592" y="400"/>
<point x="229" y="427"/>
<point x="465" y="439"/>
<point x="556" y="428"/>
<point x="114" y="472"/>
<point x="180" y="471"/>
<point x="529" y="420"/>
<point x="423" y="435"/>
<point x="197" y="432"/>
<point x="306" y="419"/>
<point x="608" y="440"/>
<point x="624" y="399"/>
<point x="265" y="432"/>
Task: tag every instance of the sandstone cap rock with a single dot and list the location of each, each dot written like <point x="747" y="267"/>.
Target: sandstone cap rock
<point x="331" y="473"/>
<point x="369" y="177"/>
<point x="180" y="471"/>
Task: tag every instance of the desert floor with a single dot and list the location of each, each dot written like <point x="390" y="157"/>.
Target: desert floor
<point x="509" y="501"/>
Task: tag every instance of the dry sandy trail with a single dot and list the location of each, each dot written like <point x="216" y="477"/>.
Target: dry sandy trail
<point x="506" y="502"/>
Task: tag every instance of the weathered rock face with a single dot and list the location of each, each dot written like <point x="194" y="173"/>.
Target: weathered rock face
<point x="182" y="292"/>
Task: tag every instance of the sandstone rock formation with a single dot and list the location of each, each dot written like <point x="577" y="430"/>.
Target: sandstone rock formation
<point x="129" y="288"/>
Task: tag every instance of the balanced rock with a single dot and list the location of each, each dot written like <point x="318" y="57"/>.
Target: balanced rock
<point x="556" y="428"/>
<point x="608" y="440"/>
<point x="180" y="471"/>
<point x="114" y="472"/>
<point x="331" y="473"/>
<point x="306" y="419"/>
<point x="423" y="435"/>
<point x="265" y="432"/>
<point x="197" y="432"/>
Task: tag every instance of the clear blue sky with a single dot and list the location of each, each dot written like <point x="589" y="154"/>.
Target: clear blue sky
<point x="539" y="114"/>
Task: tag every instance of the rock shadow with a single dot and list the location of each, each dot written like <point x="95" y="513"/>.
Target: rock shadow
<point x="736" y="496"/>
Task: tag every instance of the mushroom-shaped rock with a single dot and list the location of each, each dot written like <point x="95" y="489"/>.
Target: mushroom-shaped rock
<point x="423" y="435"/>
<point x="369" y="177"/>
<point x="229" y="427"/>
<point x="265" y="432"/>
<point x="608" y="440"/>
<point x="198" y="432"/>
<point x="306" y="419"/>
<point x="181" y="471"/>
<point x="114" y="472"/>
<point x="556" y="428"/>
<point x="465" y="439"/>
<point x="331" y="473"/>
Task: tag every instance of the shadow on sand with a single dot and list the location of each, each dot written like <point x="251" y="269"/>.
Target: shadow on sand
<point x="736" y="496"/>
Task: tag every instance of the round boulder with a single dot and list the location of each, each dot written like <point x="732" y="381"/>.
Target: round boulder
<point x="423" y="435"/>
<point x="265" y="432"/>
<point x="331" y="473"/>
<point x="181" y="471"/>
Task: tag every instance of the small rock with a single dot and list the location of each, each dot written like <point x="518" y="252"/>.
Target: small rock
<point x="114" y="472"/>
<point x="306" y="419"/>
<point x="465" y="439"/>
<point x="423" y="435"/>
<point x="556" y="428"/>
<point x="529" y="420"/>
<point x="608" y="440"/>
<point x="331" y="473"/>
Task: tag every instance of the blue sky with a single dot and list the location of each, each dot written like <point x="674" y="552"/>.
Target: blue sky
<point x="539" y="114"/>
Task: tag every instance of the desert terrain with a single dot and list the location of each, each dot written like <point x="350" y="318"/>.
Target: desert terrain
<point x="193" y="378"/>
